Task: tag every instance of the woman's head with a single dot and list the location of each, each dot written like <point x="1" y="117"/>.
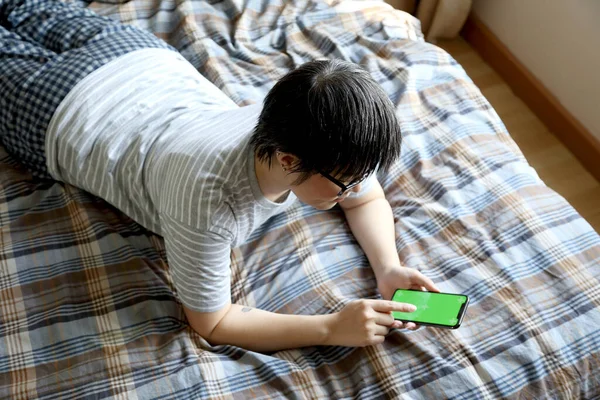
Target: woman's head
<point x="333" y="119"/>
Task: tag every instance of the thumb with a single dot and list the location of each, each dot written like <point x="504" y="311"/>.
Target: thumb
<point x="424" y="281"/>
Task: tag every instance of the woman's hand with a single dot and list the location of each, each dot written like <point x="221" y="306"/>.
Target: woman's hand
<point x="364" y="322"/>
<point x="390" y="279"/>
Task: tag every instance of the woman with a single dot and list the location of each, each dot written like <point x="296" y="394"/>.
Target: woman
<point x="117" y="112"/>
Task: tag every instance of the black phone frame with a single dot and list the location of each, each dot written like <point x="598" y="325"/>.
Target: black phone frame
<point x="461" y="312"/>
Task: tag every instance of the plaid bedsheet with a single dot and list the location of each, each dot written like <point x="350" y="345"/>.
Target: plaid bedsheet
<point x="87" y="308"/>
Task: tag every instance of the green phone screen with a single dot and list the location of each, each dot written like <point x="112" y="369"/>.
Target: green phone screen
<point x="433" y="308"/>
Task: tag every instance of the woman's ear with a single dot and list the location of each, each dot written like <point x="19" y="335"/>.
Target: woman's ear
<point x="286" y="160"/>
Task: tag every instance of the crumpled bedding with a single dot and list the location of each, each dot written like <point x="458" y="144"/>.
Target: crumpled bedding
<point x="88" y="308"/>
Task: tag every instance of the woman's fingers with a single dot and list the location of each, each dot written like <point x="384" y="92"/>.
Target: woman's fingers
<point x="385" y="319"/>
<point x="404" y="325"/>
<point x="381" y="330"/>
<point x="411" y="325"/>
<point x="427" y="283"/>
<point x="388" y="321"/>
<point x="385" y="306"/>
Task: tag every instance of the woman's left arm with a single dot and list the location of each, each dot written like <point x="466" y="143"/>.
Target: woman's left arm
<point x="372" y="223"/>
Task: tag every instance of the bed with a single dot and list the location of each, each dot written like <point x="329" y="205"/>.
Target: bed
<point x="88" y="308"/>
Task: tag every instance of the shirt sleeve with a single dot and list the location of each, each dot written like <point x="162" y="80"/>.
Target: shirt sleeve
<point x="365" y="186"/>
<point x="199" y="263"/>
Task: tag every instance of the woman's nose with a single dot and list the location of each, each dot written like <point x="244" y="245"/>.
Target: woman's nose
<point x="356" y="188"/>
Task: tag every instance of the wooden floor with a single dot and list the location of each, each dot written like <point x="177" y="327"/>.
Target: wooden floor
<point x="554" y="163"/>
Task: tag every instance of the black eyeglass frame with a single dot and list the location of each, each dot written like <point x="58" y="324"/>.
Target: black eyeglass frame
<point x="344" y="188"/>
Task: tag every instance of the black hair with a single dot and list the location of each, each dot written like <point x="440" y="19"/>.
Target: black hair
<point x="333" y="116"/>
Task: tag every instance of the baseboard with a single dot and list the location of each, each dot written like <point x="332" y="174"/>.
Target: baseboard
<point x="525" y="85"/>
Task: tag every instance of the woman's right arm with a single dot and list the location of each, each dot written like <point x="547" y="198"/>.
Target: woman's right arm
<point x="360" y="323"/>
<point x="200" y="267"/>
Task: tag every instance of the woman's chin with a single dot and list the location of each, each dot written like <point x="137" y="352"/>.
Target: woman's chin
<point x="324" y="205"/>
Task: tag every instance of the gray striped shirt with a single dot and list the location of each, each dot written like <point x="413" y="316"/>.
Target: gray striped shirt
<point x="150" y="135"/>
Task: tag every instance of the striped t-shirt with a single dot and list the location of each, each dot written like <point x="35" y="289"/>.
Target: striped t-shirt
<point x="150" y="135"/>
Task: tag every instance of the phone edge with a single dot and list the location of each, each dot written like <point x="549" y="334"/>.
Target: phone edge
<point x="464" y="307"/>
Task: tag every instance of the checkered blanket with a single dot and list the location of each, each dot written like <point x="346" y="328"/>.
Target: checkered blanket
<point x="87" y="308"/>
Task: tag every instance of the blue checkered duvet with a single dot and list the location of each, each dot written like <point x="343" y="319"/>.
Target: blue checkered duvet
<point x="87" y="306"/>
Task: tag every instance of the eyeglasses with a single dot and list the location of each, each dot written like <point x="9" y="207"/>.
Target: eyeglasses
<point x="344" y="188"/>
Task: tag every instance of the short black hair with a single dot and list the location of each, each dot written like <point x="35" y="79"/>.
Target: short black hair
<point x="333" y="116"/>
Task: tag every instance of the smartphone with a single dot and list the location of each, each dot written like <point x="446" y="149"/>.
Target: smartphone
<point x="444" y="310"/>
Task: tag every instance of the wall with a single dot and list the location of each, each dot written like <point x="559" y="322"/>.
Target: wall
<point x="559" y="42"/>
